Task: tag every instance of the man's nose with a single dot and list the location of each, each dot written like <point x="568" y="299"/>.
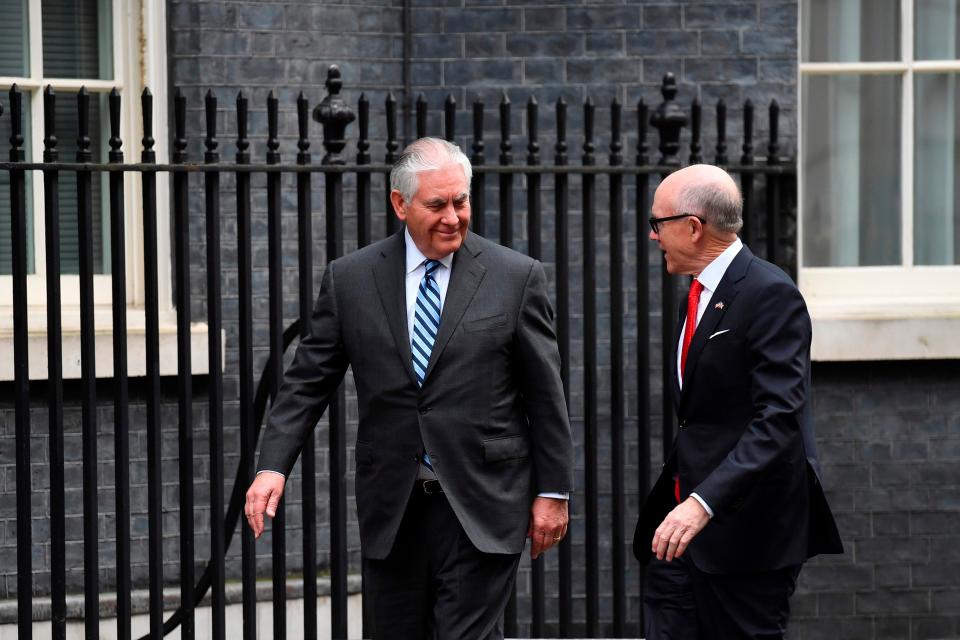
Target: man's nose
<point x="653" y="235"/>
<point x="450" y="215"/>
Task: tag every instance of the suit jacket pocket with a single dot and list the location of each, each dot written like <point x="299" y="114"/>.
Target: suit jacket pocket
<point x="506" y="448"/>
<point x="363" y="453"/>
<point x="483" y="324"/>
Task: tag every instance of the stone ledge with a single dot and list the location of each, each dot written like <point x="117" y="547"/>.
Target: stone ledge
<point x="140" y="599"/>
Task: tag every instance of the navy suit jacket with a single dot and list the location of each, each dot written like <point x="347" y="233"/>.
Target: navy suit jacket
<point x="745" y="442"/>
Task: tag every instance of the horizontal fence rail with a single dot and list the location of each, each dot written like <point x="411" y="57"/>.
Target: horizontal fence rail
<point x="594" y="289"/>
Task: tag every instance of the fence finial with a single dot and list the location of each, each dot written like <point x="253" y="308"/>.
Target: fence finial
<point x="49" y="125"/>
<point x="334" y="114"/>
<point x="115" y="142"/>
<point x="668" y="120"/>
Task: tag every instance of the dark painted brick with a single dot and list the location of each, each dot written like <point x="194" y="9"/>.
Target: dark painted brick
<point x="605" y="17"/>
<point x="719" y="16"/>
<point x="769" y="43"/>
<point x="779" y="70"/>
<point x="778" y="14"/>
<point x="662" y="17"/>
<point x="604" y="43"/>
<point x="544" y="44"/>
<point x="886" y="601"/>
<point x="892" y="549"/>
<point x="891" y="524"/>
<point x="893" y="575"/>
<point x="947" y="600"/>
<point x="543" y="71"/>
<point x="836" y="604"/>
<point x="936" y="473"/>
<point x="334" y="19"/>
<point x="730" y="69"/>
<point x="945" y="548"/>
<point x="544" y="19"/>
<point x="662" y="43"/>
<point x="598" y="70"/>
<point x="438" y="46"/>
<point x="481" y="20"/>
<point x="485" y="45"/>
<point x="260" y="16"/>
<point x="936" y="574"/>
<point x="888" y="474"/>
<point x="474" y="72"/>
<point x="427" y="21"/>
<point x="837" y="577"/>
<point x="719" y="42"/>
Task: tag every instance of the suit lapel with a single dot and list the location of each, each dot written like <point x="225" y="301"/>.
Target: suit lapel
<point x="719" y="304"/>
<point x="681" y="319"/>
<point x="389" y="275"/>
<point x="465" y="278"/>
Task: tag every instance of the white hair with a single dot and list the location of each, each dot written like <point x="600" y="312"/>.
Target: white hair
<point x="425" y="154"/>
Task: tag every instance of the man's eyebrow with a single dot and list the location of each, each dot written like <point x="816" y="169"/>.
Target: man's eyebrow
<point x="462" y="197"/>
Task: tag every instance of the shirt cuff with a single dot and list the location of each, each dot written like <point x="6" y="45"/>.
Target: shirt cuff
<point x="555" y="496"/>
<point x="271" y="471"/>
<point x="703" y="504"/>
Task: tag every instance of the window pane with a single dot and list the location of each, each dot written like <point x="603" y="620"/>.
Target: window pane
<point x="13" y="39"/>
<point x="67" y="146"/>
<point x="77" y="39"/>
<point x="851" y="171"/>
<point x="936" y="200"/>
<point x="937" y="26"/>
<point x="850" y="30"/>
<point x="6" y="238"/>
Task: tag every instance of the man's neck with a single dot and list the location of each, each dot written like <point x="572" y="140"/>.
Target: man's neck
<point x="714" y="247"/>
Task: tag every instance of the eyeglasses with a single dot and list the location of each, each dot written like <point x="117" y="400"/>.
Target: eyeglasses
<point x="656" y="222"/>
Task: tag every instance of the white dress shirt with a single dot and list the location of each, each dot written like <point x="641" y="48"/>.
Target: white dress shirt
<point x="710" y="279"/>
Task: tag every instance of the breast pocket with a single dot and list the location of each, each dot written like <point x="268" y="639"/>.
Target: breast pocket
<point x="487" y="323"/>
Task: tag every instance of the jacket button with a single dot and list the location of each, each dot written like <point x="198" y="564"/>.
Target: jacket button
<point x="424" y="410"/>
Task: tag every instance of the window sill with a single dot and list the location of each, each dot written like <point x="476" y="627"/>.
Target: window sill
<point x="885" y="329"/>
<point x="136" y="344"/>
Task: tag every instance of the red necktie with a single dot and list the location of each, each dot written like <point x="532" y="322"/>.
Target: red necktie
<point x="693" y="301"/>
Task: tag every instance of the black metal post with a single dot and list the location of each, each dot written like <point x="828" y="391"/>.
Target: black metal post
<point x="215" y="381"/>
<point x="643" y="321"/>
<point x="278" y="538"/>
<point x="152" y="326"/>
<point x="478" y="187"/>
<point x="181" y="225"/>
<point x="363" y="178"/>
<point x="91" y="558"/>
<point x="562" y="224"/>
<point x="334" y="114"/>
<point x="590" y="484"/>
<point x="773" y="186"/>
<point x="721" y="158"/>
<point x="534" y="250"/>
<point x="121" y="416"/>
<point x="450" y="118"/>
<point x="506" y="178"/>
<point x="616" y="375"/>
<point x="695" y="117"/>
<point x="21" y="370"/>
<point x="421" y="116"/>
<point x="51" y="221"/>
<point x="308" y="456"/>
<point x="746" y="178"/>
<point x="391" y="157"/>
<point x="248" y="560"/>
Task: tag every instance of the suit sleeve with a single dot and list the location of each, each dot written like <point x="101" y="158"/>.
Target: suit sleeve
<point x="778" y="341"/>
<point x="318" y="367"/>
<point x="541" y="387"/>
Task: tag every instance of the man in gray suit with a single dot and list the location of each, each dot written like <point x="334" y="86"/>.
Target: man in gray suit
<point x="463" y="448"/>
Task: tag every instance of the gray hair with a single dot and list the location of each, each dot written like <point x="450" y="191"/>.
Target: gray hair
<point x="715" y="203"/>
<point x="425" y="154"/>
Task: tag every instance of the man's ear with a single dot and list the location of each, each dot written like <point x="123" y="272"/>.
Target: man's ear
<point x="396" y="199"/>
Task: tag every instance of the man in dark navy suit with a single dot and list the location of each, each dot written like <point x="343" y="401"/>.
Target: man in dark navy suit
<point x="738" y="507"/>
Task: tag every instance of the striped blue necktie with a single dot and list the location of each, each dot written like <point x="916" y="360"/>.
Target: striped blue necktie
<point x="426" y="322"/>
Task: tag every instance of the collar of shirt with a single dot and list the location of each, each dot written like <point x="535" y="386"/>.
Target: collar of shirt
<point x="415" y="258"/>
<point x="414" y="274"/>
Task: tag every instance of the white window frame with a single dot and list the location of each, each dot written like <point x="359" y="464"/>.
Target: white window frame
<point x="893" y="312"/>
<point x="139" y="60"/>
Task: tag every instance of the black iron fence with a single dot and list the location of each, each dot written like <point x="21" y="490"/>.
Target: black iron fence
<point x="767" y="185"/>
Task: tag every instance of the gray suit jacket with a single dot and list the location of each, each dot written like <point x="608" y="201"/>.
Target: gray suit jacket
<point x="491" y="412"/>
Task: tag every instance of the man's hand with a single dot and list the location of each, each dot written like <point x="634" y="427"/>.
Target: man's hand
<point x="263" y="496"/>
<point x="548" y="524"/>
<point x="677" y="530"/>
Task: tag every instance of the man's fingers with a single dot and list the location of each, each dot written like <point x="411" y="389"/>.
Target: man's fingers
<point x="673" y="543"/>
<point x="684" y="542"/>
<point x="272" y="503"/>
